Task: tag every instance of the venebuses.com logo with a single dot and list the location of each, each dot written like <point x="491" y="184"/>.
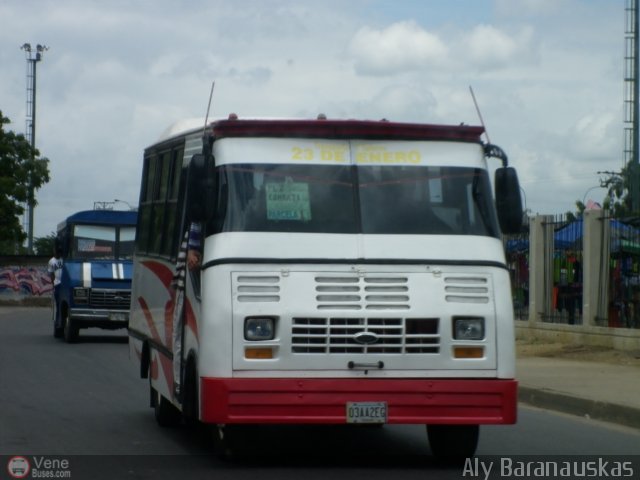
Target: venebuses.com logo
<point x="18" y="467"/>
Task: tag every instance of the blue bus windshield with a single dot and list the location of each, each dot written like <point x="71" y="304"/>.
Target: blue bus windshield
<point x="100" y="242"/>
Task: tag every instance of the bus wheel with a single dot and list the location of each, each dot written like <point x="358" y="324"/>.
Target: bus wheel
<point x="70" y="330"/>
<point x="167" y="415"/>
<point x="453" y="443"/>
<point x="190" y="396"/>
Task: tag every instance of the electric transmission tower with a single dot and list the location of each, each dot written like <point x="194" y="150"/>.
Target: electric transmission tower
<point x="631" y="99"/>
<point x="33" y="57"/>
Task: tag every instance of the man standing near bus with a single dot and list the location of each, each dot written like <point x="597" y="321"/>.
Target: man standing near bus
<point x="189" y="258"/>
<point x="54" y="268"/>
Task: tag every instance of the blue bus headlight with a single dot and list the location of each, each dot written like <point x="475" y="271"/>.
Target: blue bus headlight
<point x="259" y="328"/>
<point x="468" y="328"/>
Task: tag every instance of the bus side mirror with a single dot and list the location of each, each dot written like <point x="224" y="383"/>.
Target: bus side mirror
<point x="195" y="196"/>
<point x="508" y="200"/>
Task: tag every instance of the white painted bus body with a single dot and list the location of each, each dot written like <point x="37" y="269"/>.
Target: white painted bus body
<point x="324" y="290"/>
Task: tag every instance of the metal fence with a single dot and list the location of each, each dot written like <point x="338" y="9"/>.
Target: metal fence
<point x="619" y="276"/>
<point x="564" y="303"/>
<point x="517" y="254"/>
<point x="624" y="273"/>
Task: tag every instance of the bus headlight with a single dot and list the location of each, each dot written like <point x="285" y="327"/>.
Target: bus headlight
<point x="259" y="328"/>
<point x="468" y="328"/>
<point x="81" y="295"/>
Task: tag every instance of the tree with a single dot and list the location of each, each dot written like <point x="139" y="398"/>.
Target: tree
<point x="44" y="245"/>
<point x="20" y="166"/>
<point x="618" y="199"/>
<point x="573" y="216"/>
<point x="618" y="185"/>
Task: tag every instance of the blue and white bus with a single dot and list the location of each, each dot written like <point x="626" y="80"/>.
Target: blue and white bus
<point x="95" y="290"/>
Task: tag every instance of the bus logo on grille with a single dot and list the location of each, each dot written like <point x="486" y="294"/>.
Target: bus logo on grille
<point x="365" y="338"/>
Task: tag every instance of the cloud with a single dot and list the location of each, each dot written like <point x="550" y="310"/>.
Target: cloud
<point x="547" y="76"/>
<point x="595" y="135"/>
<point x="250" y="76"/>
<point x="407" y="102"/>
<point x="490" y="47"/>
<point x="403" y="46"/>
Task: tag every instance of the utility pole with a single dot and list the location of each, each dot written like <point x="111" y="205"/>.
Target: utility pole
<point x="33" y="57"/>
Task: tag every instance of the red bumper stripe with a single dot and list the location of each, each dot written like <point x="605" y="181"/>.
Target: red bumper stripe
<point x="410" y="401"/>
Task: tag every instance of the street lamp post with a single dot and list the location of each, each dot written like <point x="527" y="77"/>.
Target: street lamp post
<point x="131" y="207"/>
<point x="33" y="57"/>
<point x="584" y="198"/>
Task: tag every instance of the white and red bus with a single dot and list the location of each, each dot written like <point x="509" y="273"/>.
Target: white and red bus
<point x="351" y="272"/>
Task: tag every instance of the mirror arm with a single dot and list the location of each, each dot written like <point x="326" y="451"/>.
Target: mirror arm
<point x="207" y="146"/>
<point x="494" y="151"/>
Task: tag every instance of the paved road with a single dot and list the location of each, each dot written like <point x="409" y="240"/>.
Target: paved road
<point x="69" y="401"/>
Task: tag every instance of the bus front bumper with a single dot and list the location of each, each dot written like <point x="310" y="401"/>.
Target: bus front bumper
<point x="99" y="318"/>
<point x="324" y="401"/>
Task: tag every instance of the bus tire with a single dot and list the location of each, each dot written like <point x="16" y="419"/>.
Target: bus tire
<point x="70" y="330"/>
<point x="453" y="443"/>
<point x="190" y="394"/>
<point x="166" y="414"/>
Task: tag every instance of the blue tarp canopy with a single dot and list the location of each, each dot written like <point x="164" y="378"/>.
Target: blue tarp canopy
<point x="623" y="238"/>
<point x="569" y="236"/>
<point x="517" y="245"/>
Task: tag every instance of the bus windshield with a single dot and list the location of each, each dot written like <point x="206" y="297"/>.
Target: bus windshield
<point x="368" y="199"/>
<point x="100" y="242"/>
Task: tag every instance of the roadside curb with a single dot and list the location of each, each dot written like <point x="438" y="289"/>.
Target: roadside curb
<point x="44" y="301"/>
<point x="597" y="410"/>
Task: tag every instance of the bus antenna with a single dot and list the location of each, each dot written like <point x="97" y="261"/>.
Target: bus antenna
<point x="206" y="117"/>
<point x="479" y="114"/>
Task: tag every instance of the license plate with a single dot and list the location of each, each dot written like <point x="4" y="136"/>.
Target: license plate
<point x="117" y="317"/>
<point x="366" y="412"/>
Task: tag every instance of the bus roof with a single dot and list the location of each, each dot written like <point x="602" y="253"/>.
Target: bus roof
<point x="362" y="129"/>
<point x="101" y="217"/>
<point x="325" y="128"/>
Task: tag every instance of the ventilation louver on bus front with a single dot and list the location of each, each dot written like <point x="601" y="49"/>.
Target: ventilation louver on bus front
<point x="362" y="293"/>
<point x="466" y="289"/>
<point x="255" y="288"/>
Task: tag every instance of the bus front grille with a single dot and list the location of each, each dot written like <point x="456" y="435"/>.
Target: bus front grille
<point x="336" y="335"/>
<point x="103" y="298"/>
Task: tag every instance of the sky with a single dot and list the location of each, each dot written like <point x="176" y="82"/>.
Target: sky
<point x="547" y="75"/>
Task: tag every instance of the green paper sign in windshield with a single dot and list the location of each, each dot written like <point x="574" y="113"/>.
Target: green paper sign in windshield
<point x="288" y="201"/>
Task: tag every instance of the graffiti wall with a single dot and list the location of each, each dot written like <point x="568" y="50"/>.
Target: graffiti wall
<point x="24" y="280"/>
